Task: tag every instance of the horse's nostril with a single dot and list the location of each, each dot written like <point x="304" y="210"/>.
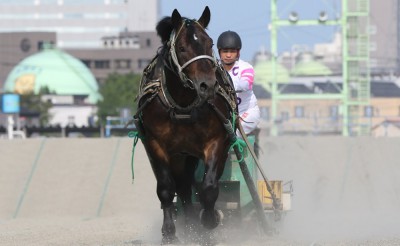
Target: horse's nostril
<point x="203" y="87"/>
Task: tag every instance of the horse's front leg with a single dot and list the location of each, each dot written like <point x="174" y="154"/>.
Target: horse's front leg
<point x="165" y="193"/>
<point x="214" y="166"/>
<point x="184" y="180"/>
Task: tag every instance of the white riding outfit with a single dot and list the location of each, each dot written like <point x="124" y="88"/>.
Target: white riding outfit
<point x="242" y="74"/>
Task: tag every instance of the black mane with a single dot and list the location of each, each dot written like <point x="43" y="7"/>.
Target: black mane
<point x="164" y="29"/>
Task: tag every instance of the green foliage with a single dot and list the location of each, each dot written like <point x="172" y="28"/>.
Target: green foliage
<point x="33" y="104"/>
<point x="118" y="91"/>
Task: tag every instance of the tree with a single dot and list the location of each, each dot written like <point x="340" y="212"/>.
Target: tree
<point x="118" y="91"/>
<point x="32" y="104"/>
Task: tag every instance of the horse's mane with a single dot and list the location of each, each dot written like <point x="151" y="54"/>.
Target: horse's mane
<point x="164" y="29"/>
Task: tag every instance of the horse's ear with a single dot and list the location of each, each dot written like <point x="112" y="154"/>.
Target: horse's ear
<point x="205" y="17"/>
<point x="176" y="19"/>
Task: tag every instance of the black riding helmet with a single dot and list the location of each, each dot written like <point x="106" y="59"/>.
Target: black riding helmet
<point x="229" y="40"/>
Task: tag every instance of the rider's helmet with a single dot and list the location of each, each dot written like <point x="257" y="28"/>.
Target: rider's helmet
<point x="229" y="40"/>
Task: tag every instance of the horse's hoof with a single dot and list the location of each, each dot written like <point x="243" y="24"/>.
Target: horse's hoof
<point x="170" y="240"/>
<point x="212" y="221"/>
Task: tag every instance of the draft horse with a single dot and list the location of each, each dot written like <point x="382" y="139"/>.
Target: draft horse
<point x="185" y="106"/>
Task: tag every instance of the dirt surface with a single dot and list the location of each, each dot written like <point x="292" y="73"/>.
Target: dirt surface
<point x="80" y="192"/>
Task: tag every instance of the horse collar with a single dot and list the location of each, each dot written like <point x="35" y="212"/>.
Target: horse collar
<point x="172" y="103"/>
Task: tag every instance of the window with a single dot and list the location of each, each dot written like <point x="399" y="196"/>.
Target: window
<point x="79" y="100"/>
<point x="368" y="111"/>
<point x="123" y="64"/>
<point x="135" y="42"/>
<point x="334" y="112"/>
<point x="102" y="64"/>
<point x="299" y="112"/>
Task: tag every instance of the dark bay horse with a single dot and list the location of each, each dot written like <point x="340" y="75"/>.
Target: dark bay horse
<point x="186" y="104"/>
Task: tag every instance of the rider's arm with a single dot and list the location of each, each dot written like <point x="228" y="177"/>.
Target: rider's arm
<point x="246" y="80"/>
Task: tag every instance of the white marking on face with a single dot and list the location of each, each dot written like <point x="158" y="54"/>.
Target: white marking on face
<point x="195" y="37"/>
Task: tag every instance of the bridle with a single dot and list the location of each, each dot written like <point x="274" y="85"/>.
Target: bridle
<point x="184" y="78"/>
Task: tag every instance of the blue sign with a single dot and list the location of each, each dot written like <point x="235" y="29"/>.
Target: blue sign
<point x="10" y="103"/>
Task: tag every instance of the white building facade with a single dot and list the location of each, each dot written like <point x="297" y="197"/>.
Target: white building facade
<point x="79" y="23"/>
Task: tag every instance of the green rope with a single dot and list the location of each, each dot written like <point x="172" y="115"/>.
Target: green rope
<point x="241" y="147"/>
<point x="240" y="143"/>
<point x="233" y="119"/>
<point x="135" y="136"/>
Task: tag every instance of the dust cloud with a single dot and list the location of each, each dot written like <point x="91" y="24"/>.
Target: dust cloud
<point x="343" y="188"/>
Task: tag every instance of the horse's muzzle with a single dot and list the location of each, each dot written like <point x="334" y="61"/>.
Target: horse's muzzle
<point x="207" y="90"/>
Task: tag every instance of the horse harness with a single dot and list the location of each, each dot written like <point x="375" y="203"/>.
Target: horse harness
<point x="153" y="84"/>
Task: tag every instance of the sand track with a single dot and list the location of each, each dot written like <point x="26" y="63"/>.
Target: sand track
<point x="80" y="192"/>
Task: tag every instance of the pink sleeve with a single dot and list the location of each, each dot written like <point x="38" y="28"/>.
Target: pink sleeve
<point x="246" y="79"/>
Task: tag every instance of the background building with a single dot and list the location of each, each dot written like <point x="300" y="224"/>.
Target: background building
<point x="78" y="23"/>
<point x="16" y="46"/>
<point x="126" y="52"/>
<point x="73" y="88"/>
<point x="117" y="36"/>
<point x="107" y="35"/>
<point x="385" y="37"/>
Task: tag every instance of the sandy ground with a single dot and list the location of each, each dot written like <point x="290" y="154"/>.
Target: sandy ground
<point x="80" y="192"/>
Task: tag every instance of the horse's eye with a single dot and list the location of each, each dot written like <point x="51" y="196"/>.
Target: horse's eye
<point x="181" y="49"/>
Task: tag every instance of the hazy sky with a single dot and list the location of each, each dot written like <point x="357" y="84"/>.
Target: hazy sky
<point x="251" y="19"/>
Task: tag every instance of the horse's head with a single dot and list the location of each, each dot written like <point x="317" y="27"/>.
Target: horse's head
<point x="191" y="54"/>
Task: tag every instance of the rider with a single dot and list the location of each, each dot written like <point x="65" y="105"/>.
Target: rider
<point x="242" y="74"/>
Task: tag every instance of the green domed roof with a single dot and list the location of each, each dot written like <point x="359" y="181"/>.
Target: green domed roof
<point x="264" y="74"/>
<point x="307" y="66"/>
<point x="60" y="72"/>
